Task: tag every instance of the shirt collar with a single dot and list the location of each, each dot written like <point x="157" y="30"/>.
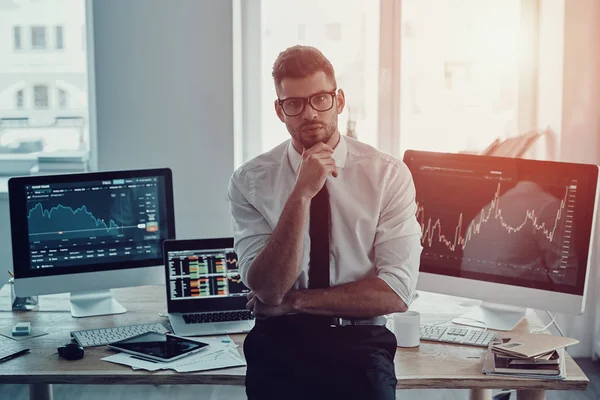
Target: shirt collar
<point x="340" y="154"/>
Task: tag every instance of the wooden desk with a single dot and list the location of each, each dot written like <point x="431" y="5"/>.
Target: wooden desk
<point x="431" y="365"/>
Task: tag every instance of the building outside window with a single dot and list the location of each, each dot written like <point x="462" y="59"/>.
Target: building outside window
<point x="43" y="94"/>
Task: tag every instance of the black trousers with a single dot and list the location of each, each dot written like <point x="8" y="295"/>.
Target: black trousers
<point x="298" y="362"/>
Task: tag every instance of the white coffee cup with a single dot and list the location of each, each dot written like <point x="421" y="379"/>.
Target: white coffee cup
<point x="407" y="327"/>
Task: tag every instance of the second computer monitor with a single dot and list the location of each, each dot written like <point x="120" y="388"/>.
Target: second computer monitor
<point x="504" y="230"/>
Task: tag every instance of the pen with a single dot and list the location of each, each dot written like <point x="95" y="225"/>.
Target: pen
<point x="14" y="355"/>
<point x="11" y="274"/>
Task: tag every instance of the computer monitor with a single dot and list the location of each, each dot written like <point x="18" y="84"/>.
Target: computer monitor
<point x="504" y="230"/>
<point x="89" y="232"/>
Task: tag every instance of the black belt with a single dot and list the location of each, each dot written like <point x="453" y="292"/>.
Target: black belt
<point x="318" y="321"/>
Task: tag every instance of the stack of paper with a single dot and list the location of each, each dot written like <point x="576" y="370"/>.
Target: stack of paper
<point x="221" y="352"/>
<point x="528" y="356"/>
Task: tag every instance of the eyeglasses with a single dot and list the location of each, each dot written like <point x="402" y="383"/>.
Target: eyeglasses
<point x="293" y="106"/>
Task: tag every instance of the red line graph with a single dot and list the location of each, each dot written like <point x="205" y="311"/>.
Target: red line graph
<point x="433" y="231"/>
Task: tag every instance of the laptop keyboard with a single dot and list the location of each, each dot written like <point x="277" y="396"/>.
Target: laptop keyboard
<point x="222" y="316"/>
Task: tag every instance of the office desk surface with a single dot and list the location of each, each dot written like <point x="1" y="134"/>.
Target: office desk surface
<point x="431" y="365"/>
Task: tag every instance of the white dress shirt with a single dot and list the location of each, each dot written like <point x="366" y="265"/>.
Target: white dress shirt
<point x="374" y="230"/>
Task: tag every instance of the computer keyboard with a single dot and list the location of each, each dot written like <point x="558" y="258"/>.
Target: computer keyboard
<point x="450" y="334"/>
<point x="104" y="336"/>
<point x="221" y="316"/>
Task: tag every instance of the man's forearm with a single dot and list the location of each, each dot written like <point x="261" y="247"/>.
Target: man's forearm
<point x="365" y="298"/>
<point x="275" y="269"/>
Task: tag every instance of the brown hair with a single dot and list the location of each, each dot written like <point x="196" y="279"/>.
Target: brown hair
<point x="300" y="62"/>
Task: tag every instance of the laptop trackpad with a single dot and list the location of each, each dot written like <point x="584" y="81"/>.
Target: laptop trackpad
<point x="237" y="326"/>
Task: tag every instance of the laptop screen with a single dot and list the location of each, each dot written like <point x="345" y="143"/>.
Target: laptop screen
<point x="204" y="274"/>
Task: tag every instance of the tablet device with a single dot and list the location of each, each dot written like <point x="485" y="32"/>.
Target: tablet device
<point x="158" y="346"/>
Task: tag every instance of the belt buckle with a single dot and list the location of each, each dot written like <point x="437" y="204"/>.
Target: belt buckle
<point x="337" y="321"/>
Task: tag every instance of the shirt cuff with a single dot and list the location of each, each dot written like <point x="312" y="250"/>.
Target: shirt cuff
<point x="400" y="288"/>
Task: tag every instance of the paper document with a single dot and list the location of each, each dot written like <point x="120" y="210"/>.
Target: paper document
<point x="221" y="352"/>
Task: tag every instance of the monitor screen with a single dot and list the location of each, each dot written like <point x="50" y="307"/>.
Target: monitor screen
<point x="504" y="220"/>
<point x="204" y="274"/>
<point x="90" y="222"/>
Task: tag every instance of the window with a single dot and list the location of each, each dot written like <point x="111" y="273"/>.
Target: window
<point x="17" y="38"/>
<point x="59" y="38"/>
<point x="452" y="80"/>
<point x="347" y="32"/>
<point x="44" y="96"/>
<point x="38" y="37"/>
<point x="459" y="73"/>
<point x="62" y="99"/>
<point x="20" y="100"/>
<point x="40" y="96"/>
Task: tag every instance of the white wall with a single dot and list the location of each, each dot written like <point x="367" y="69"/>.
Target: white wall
<point x="164" y="98"/>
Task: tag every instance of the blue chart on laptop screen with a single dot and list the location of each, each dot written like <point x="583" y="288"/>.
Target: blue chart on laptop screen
<point x="197" y="274"/>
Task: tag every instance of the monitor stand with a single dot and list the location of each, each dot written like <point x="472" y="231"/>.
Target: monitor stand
<point x="99" y="302"/>
<point x="498" y="317"/>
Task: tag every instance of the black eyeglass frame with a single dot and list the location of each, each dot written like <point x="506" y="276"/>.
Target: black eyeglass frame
<point x="308" y="100"/>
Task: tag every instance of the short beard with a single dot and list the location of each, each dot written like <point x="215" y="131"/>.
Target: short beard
<point x="330" y="129"/>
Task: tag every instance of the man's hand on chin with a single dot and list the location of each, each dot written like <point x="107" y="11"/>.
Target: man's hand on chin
<point x="262" y="310"/>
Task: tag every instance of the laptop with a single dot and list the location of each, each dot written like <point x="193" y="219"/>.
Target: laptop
<point x="205" y="295"/>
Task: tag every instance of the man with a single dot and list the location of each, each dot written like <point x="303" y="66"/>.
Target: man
<point x="328" y="242"/>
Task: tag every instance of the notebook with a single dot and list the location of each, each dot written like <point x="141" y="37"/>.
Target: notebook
<point x="554" y="372"/>
<point x="531" y="345"/>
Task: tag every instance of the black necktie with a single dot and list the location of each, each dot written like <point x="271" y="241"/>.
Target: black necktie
<point x="318" y="272"/>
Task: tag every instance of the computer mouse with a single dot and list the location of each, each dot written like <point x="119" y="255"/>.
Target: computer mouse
<point x="71" y="351"/>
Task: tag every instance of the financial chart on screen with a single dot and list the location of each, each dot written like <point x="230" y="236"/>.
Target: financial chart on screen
<point x="195" y="274"/>
<point x="95" y="221"/>
<point x="518" y="222"/>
